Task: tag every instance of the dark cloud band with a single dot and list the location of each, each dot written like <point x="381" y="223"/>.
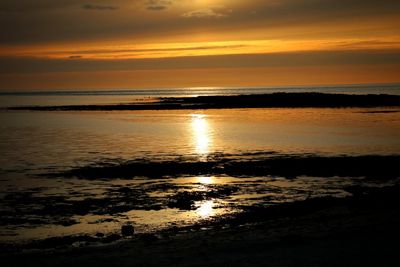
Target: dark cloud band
<point x="98" y="7"/>
<point x="298" y="59"/>
<point x="157" y="5"/>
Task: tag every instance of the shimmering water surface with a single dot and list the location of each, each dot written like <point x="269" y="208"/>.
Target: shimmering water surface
<point x="36" y="143"/>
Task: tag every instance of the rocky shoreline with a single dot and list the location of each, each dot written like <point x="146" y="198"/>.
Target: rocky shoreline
<point x="327" y="231"/>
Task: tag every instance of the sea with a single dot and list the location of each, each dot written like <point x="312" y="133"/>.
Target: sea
<point x="39" y="147"/>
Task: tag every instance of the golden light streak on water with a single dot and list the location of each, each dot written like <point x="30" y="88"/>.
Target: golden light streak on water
<point x="201" y="134"/>
<point x="205" y="180"/>
<point x="206" y="209"/>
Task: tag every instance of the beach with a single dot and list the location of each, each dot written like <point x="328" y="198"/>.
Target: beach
<point x="199" y="133"/>
<point x="282" y="179"/>
<point x="362" y="231"/>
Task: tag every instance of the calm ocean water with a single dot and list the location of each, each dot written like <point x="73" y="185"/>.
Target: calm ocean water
<point x="33" y="144"/>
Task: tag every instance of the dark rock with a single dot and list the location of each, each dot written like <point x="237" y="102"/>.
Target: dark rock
<point x="185" y="200"/>
<point x="127" y="230"/>
<point x="68" y="222"/>
<point x="111" y="238"/>
<point x="99" y="235"/>
<point x="148" y="237"/>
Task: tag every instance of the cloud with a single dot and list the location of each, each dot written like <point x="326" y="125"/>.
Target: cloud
<point x="219" y="12"/>
<point x="367" y="44"/>
<point x="156" y="5"/>
<point x="156" y="50"/>
<point x="36" y="5"/>
<point x="98" y="7"/>
<point x="45" y="21"/>
<point x="291" y="59"/>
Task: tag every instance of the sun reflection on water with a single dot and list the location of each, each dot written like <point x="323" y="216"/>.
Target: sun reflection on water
<point x="205" y="179"/>
<point x="201" y="134"/>
<point x="206" y="209"/>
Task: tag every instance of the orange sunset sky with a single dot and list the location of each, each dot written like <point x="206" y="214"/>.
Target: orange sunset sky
<point x="104" y="44"/>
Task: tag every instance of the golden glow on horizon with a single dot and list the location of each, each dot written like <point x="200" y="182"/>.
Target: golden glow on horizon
<point x="116" y="51"/>
<point x="201" y="134"/>
<point x="147" y="44"/>
<point x="183" y="78"/>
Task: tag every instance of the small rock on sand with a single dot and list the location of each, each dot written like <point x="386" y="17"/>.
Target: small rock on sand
<point x="127" y="230"/>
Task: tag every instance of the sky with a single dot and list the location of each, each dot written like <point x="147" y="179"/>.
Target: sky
<point x="121" y="44"/>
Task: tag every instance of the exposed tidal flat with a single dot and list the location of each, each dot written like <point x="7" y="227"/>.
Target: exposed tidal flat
<point x="91" y="203"/>
<point x="232" y="185"/>
<point x="273" y="100"/>
<point x="357" y="231"/>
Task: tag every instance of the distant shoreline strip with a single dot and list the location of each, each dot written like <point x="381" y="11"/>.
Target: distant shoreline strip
<point x="273" y="100"/>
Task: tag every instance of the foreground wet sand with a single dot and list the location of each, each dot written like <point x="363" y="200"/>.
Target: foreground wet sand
<point x="226" y="189"/>
<point x="358" y="231"/>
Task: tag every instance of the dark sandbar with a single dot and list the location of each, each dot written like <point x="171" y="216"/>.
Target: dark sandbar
<point x="275" y="100"/>
<point x="289" y="166"/>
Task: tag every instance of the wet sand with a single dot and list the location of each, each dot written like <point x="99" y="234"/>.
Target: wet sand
<point x="250" y="164"/>
<point x="275" y="100"/>
<point x="357" y="231"/>
<point x="226" y="189"/>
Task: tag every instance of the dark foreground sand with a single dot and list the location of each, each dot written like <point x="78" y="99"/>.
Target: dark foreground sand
<point x="361" y="232"/>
